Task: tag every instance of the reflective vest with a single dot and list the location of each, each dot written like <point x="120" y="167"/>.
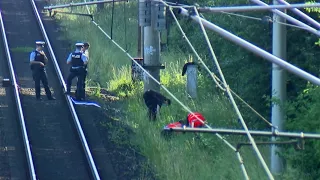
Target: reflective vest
<point x="39" y="57"/>
<point x="76" y="60"/>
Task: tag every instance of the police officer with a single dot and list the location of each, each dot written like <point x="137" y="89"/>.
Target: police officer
<point x="38" y="61"/>
<point x="85" y="50"/>
<point x="78" y="60"/>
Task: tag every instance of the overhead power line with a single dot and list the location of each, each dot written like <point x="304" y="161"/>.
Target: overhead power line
<point x="217" y="81"/>
<point x="266" y="19"/>
<point x="301" y="14"/>
<point x="289" y="18"/>
<point x="148" y="74"/>
<point x="214" y="78"/>
<point x="256" y="50"/>
<point x="186" y="108"/>
<point x="255" y="8"/>
<point x="265" y="166"/>
<point x="230" y="95"/>
<point x="80" y="4"/>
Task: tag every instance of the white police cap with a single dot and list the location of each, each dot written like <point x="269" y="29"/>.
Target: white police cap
<point x="79" y="44"/>
<point x="40" y="42"/>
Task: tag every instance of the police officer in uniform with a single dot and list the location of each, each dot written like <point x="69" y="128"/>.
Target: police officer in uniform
<point x="85" y="50"/>
<point x="78" y="61"/>
<point x="38" y="61"/>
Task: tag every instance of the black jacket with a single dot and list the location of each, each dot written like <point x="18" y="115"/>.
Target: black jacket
<point x="153" y="98"/>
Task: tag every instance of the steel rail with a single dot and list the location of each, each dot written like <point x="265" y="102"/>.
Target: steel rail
<point x="243" y="132"/>
<point x="80" y="4"/>
<point x="254" y="8"/>
<point x="26" y="143"/>
<point x="84" y="143"/>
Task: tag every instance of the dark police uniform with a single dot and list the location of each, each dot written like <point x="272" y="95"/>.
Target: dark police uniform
<point x="86" y="52"/>
<point x="39" y="72"/>
<point x="78" y="70"/>
<point x="85" y="69"/>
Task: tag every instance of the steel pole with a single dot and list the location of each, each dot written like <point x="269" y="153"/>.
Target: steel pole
<point x="255" y="8"/>
<point x="192" y="80"/>
<point x="243" y="132"/>
<point x="289" y="18"/>
<point x="151" y="53"/>
<point x="303" y="15"/>
<point x="279" y="49"/>
<point x="258" y="51"/>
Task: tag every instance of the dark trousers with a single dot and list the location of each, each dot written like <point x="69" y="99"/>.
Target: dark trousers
<point x="84" y="78"/>
<point x="79" y="73"/>
<point x="152" y="112"/>
<point x="41" y="75"/>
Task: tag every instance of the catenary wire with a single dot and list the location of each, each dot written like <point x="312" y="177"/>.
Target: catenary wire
<point x="185" y="107"/>
<point x="214" y="77"/>
<point x="269" y="20"/>
<point x="148" y="74"/>
<point x="265" y="166"/>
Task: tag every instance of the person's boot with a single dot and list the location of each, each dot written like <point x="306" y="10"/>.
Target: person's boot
<point x="51" y="98"/>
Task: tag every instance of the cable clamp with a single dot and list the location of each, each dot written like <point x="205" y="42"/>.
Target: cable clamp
<point x="302" y="135"/>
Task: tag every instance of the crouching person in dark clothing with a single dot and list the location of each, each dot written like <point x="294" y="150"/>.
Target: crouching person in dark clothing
<point x="154" y="101"/>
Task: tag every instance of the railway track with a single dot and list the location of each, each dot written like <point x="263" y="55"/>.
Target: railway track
<point x="13" y="163"/>
<point x="54" y="143"/>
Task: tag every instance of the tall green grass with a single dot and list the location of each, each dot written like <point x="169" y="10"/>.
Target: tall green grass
<point x="185" y="156"/>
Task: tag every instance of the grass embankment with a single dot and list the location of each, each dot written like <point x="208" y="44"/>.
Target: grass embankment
<point x="185" y="156"/>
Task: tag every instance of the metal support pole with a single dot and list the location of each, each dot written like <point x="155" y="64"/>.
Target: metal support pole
<point x="140" y="37"/>
<point x="139" y="54"/>
<point x="256" y="50"/>
<point x="141" y="42"/>
<point x="243" y="132"/>
<point x="279" y="91"/>
<point x="255" y="8"/>
<point x="152" y="53"/>
<point x="239" y="145"/>
<point x="303" y="15"/>
<point x="289" y="18"/>
<point x="192" y="80"/>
